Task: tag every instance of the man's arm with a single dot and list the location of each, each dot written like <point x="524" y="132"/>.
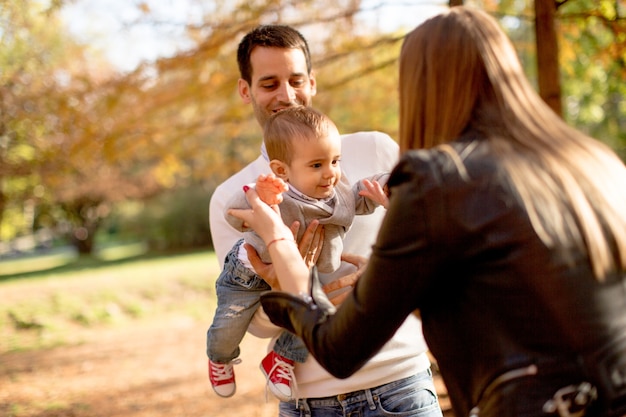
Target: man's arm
<point x="223" y="235"/>
<point x="365" y="154"/>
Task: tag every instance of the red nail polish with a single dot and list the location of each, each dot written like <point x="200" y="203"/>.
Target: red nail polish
<point x="245" y="188"/>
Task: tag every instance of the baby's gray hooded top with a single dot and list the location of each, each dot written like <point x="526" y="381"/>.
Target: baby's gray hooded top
<point x="335" y="214"/>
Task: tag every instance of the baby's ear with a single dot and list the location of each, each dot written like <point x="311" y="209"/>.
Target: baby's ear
<point x="279" y="168"/>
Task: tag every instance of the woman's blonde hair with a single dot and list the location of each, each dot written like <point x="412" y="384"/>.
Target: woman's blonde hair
<point x="292" y="124"/>
<point x="459" y="72"/>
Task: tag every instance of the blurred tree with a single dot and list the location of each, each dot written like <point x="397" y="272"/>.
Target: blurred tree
<point x="77" y="138"/>
<point x="214" y="131"/>
<point x="198" y="114"/>
<point x="31" y="47"/>
<point x="80" y="138"/>
<point x="59" y="114"/>
<point x="591" y="39"/>
<point x="548" y="79"/>
<point x="593" y="57"/>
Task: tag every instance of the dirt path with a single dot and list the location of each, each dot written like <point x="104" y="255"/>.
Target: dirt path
<point x="149" y="370"/>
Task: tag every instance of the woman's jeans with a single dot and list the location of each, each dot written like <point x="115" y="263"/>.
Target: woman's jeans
<point x="414" y="396"/>
<point x="238" y="296"/>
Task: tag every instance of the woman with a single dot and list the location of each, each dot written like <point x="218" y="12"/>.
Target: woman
<point x="506" y="231"/>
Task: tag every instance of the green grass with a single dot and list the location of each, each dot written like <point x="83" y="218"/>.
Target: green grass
<point x="65" y="257"/>
<point x="53" y="259"/>
<point x="69" y="303"/>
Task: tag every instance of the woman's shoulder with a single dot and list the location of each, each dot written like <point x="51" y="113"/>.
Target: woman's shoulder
<point x="459" y="161"/>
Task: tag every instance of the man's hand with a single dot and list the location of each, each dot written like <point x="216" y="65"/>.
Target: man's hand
<point x="310" y="247"/>
<point x="347" y="281"/>
<point x="312" y="241"/>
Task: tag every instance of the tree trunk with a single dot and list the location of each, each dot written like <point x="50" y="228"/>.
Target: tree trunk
<point x="84" y="220"/>
<point x="83" y="240"/>
<point x="548" y="54"/>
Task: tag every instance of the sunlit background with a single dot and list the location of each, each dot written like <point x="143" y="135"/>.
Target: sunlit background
<point x="118" y="118"/>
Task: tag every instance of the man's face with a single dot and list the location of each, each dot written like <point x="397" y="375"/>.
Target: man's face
<point x="279" y="80"/>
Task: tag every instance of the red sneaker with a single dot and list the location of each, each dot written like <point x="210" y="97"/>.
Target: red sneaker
<point x="222" y="377"/>
<point x="278" y="372"/>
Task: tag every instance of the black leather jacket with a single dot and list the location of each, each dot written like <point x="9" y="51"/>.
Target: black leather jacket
<point x="458" y="246"/>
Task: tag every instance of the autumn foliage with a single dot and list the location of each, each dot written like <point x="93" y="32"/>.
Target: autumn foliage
<point x="79" y="139"/>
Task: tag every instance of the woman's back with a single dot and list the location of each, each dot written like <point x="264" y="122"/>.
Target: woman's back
<point x="500" y="299"/>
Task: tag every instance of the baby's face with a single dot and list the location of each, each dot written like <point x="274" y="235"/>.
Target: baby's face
<point x="315" y="167"/>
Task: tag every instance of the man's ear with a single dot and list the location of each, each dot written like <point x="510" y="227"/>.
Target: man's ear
<point x="279" y="168"/>
<point x="244" y="90"/>
<point x="313" y="83"/>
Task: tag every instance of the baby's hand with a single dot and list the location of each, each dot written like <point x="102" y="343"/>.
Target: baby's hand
<point x="374" y="191"/>
<point x="270" y="189"/>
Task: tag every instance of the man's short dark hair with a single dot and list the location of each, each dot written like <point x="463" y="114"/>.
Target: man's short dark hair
<point x="270" y="36"/>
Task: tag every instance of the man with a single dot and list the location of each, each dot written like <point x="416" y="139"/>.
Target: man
<point x="275" y="68"/>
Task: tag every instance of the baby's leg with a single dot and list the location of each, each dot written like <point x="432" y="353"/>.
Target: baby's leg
<point x="238" y="293"/>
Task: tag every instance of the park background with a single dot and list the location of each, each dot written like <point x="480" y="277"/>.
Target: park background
<point x="117" y="121"/>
